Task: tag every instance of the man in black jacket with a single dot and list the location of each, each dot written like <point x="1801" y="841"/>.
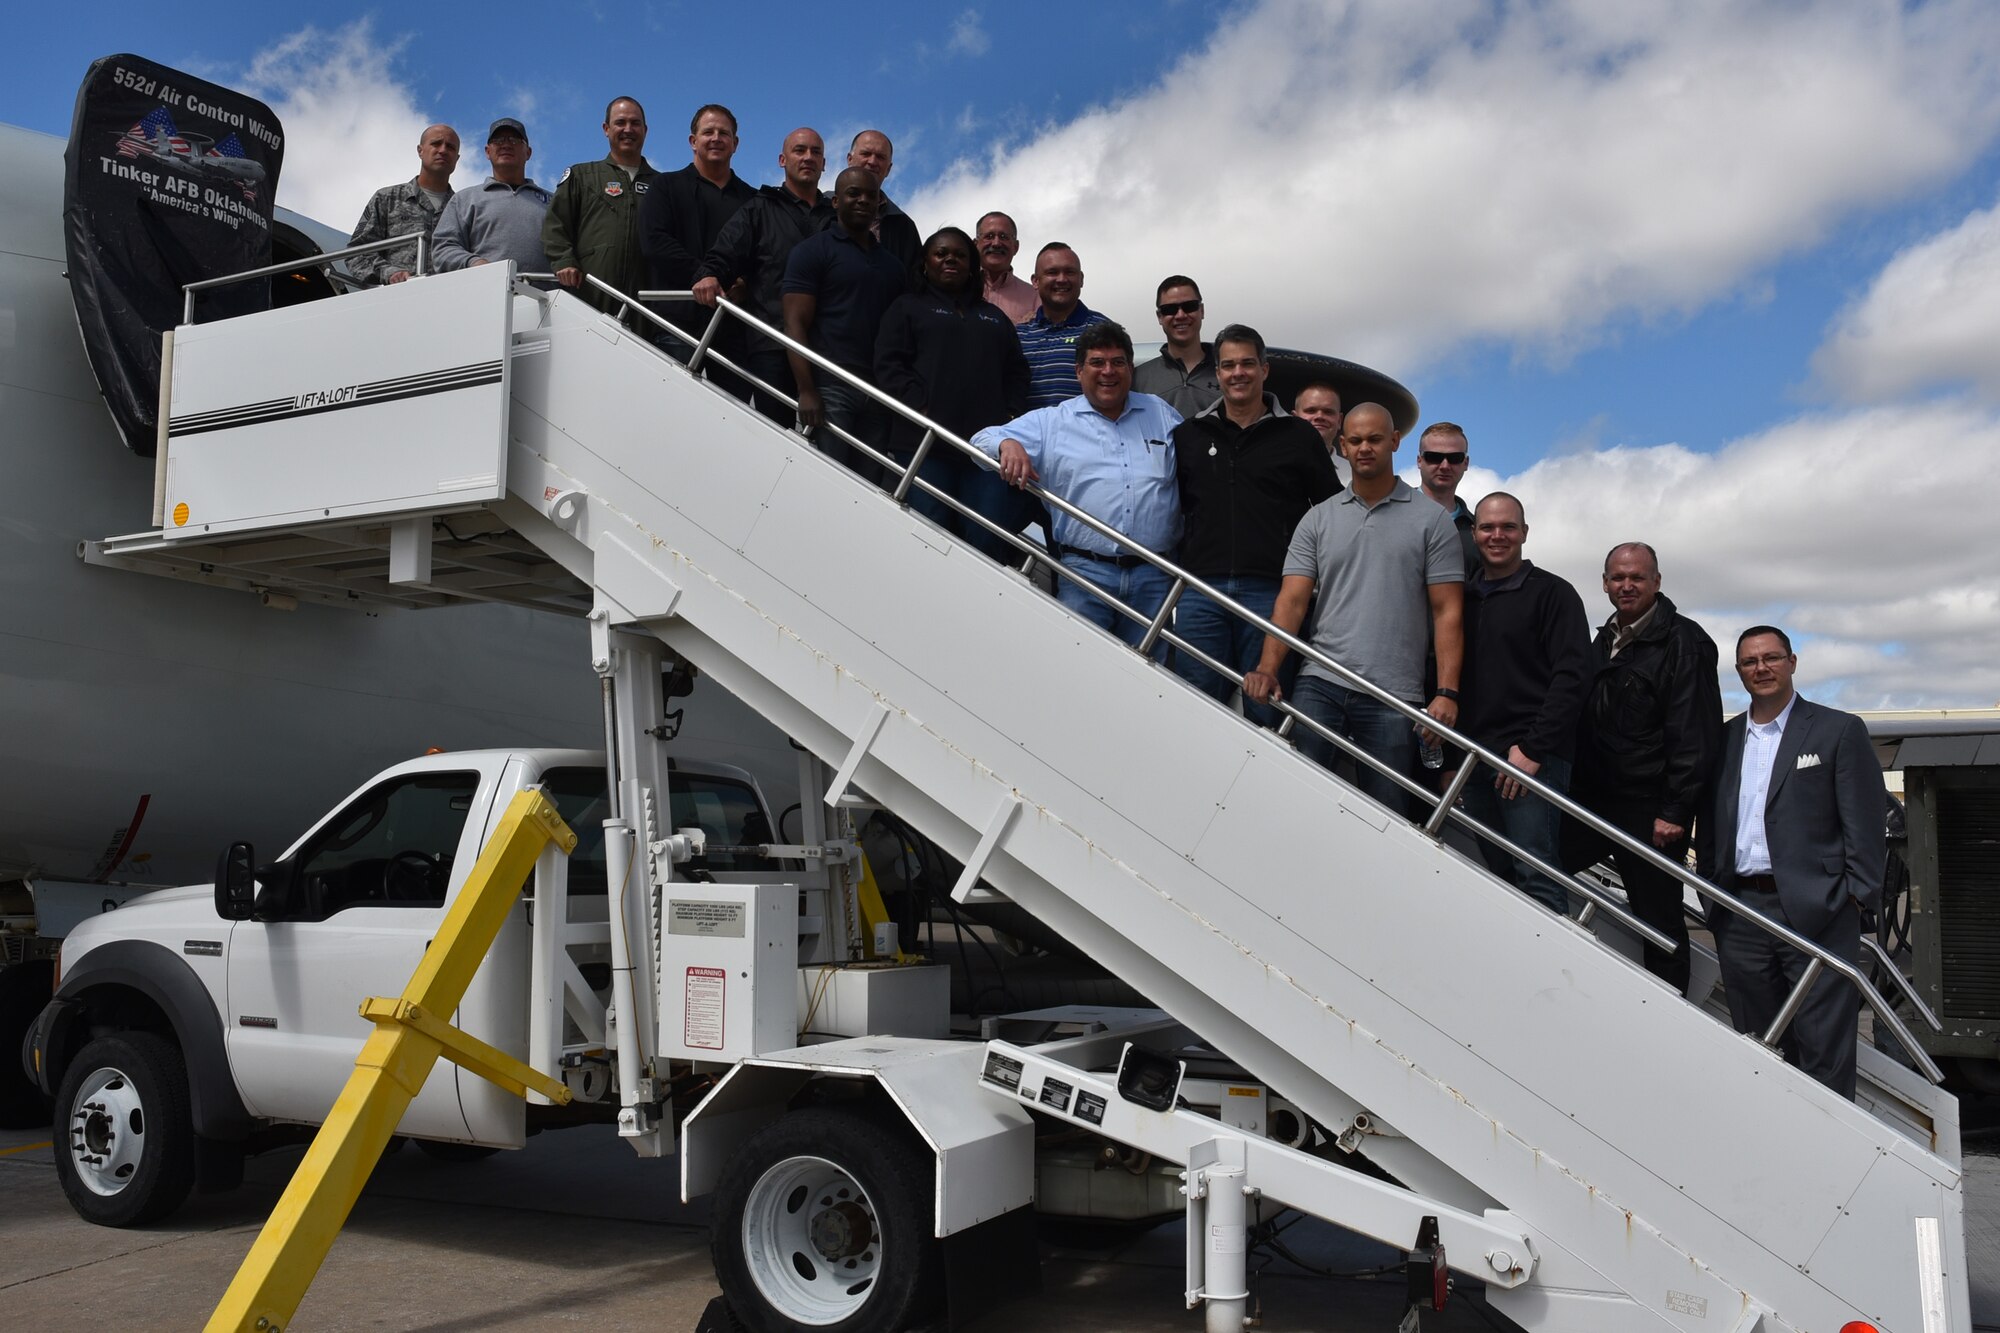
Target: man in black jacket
<point x="1648" y="743"/>
<point x="680" y="219"/>
<point x="1248" y="473"/>
<point x="1527" y="664"/>
<point x="752" y="248"/>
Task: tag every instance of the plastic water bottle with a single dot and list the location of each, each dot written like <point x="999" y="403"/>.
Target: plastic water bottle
<point x="1430" y="750"/>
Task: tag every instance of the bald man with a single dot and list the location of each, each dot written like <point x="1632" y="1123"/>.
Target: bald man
<point x="410" y="208"/>
<point x="1380" y="570"/>
<point x="872" y="152"/>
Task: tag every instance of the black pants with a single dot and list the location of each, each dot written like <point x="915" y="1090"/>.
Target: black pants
<point x="1758" y="973"/>
<point x="1654" y="895"/>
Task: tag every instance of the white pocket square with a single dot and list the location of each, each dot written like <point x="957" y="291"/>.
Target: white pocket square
<point x="1808" y="761"/>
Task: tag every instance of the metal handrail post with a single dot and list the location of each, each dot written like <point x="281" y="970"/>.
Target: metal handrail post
<point x="1793" y="1003"/>
<point x="1159" y="622"/>
<point x="916" y="461"/>
<point x="1453" y="789"/>
<point x="700" y="352"/>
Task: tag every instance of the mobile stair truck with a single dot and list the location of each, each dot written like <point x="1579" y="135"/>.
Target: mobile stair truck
<point x="1536" y="1112"/>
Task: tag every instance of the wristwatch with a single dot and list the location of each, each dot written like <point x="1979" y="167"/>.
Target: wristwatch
<point x="1444" y="693"/>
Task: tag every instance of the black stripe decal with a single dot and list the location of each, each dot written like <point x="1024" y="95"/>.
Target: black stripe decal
<point x="365" y="395"/>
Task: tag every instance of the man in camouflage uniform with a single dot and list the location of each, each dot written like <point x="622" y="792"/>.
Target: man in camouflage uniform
<point x="593" y="223"/>
<point x="404" y="209"/>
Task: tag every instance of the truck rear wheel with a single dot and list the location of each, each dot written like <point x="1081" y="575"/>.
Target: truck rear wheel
<point x="124" y="1141"/>
<point x="24" y="990"/>
<point x="823" y="1221"/>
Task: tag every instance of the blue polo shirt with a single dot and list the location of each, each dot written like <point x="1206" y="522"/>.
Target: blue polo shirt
<point x="1051" y="352"/>
<point x="854" y="288"/>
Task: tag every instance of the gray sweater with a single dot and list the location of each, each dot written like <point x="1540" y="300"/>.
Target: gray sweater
<point x="493" y="221"/>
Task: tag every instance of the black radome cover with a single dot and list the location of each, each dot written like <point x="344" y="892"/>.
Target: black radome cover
<point x="168" y="179"/>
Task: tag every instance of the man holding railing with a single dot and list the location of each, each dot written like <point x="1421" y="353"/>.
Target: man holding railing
<point x="1796" y="832"/>
<point x="1381" y="571"/>
<point x="1109" y="452"/>
<point x="1527" y="665"/>
<point x="410" y="208"/>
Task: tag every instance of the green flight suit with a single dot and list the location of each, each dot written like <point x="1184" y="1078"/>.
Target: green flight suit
<point x="593" y="224"/>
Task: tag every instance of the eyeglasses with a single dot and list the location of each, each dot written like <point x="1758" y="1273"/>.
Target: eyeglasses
<point x="1767" y="660"/>
<point x="1436" y="459"/>
<point x="1180" y="308"/>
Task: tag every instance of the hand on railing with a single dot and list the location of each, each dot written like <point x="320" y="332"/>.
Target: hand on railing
<point x="1015" y="465"/>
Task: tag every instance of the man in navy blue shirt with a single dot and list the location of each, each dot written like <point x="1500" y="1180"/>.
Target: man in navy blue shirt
<point x="838" y="285"/>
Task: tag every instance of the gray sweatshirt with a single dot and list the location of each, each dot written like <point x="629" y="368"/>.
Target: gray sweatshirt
<point x="493" y="221"/>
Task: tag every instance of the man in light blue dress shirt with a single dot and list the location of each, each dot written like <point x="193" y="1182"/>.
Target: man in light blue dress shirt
<point x="1109" y="452"/>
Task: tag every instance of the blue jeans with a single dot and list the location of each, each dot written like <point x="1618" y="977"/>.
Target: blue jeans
<point x="1376" y="728"/>
<point x="1141" y="587"/>
<point x="1530" y="823"/>
<point x="1228" y="639"/>
<point x="985" y="492"/>
<point x="860" y="416"/>
<point x="943" y="467"/>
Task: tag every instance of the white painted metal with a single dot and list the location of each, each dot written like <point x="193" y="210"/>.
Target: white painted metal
<point x="820" y="1287"/>
<point x="1657" y="1162"/>
<point x="985" y="1146"/>
<point x="431" y="368"/>
<point x="730" y="956"/>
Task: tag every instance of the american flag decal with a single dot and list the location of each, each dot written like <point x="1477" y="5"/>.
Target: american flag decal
<point x="139" y="139"/>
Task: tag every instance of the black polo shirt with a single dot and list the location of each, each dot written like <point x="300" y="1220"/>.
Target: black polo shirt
<point x="1245" y="488"/>
<point x="854" y="285"/>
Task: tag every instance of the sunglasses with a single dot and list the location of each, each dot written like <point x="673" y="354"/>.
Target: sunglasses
<point x="1180" y="308"/>
<point x="1436" y="459"/>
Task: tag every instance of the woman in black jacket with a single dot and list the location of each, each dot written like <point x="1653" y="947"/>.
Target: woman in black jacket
<point x="952" y="356"/>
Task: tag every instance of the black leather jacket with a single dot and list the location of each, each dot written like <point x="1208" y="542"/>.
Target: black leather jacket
<point x="1651" y="732"/>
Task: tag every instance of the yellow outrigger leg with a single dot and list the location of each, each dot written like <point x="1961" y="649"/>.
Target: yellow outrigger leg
<point x="409" y="1036"/>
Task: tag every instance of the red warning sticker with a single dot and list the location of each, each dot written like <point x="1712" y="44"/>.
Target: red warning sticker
<point x="702" y="1008"/>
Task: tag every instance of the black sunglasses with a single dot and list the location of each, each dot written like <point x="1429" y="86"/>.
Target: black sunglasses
<point x="1433" y="457"/>
<point x="1180" y="308"/>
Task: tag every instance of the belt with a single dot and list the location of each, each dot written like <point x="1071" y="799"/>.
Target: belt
<point x="1122" y="561"/>
<point x="1761" y="883"/>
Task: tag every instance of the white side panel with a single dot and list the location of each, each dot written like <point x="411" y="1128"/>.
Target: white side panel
<point x="307" y="412"/>
<point x="728" y="954"/>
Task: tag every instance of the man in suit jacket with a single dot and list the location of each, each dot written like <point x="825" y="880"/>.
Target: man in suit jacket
<point x="1797" y="833"/>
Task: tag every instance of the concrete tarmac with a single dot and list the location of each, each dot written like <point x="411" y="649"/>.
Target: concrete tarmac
<point x="574" y="1230"/>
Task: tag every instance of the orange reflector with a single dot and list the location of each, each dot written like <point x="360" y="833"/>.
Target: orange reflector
<point x="434" y="749"/>
<point x="1859" y="1326"/>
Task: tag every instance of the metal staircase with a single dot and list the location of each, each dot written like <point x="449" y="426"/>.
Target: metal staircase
<point x="1666" y="1172"/>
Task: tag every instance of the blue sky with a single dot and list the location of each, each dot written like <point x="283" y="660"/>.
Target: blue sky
<point x="1690" y="272"/>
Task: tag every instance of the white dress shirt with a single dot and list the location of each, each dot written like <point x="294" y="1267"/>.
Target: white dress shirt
<point x="1760" y="751"/>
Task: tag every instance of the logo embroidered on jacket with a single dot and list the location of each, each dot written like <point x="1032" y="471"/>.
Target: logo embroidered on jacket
<point x="614" y="189"/>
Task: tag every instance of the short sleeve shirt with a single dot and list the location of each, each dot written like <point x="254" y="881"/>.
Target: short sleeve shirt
<point x="1373" y="567"/>
<point x="854" y="288"/>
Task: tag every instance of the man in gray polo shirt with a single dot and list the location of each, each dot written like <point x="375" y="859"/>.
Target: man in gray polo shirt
<point x="501" y="217"/>
<point x="1389" y="576"/>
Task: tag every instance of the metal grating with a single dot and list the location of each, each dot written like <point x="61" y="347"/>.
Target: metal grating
<point x="1968" y="834"/>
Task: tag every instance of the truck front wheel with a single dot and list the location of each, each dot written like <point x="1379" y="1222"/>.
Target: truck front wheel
<point x="124" y="1136"/>
<point x="823" y="1221"/>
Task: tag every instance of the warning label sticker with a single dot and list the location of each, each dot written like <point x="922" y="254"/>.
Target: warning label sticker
<point x="702" y="1008"/>
<point x="703" y="918"/>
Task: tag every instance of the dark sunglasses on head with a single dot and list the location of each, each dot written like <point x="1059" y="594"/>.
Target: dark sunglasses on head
<point x="1434" y="458"/>
<point x="1180" y="308"/>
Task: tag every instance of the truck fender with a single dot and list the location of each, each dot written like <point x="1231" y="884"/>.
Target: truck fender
<point x="984" y="1144"/>
<point x="163" y="977"/>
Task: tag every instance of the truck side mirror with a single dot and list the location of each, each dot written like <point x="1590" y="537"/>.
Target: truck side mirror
<point x="236" y="883"/>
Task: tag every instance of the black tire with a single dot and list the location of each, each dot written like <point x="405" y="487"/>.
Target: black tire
<point x="454" y="1152"/>
<point x="854" y="1195"/>
<point x="124" y="1140"/>
<point x="24" y="992"/>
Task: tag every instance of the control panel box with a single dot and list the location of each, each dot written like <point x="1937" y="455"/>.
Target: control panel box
<point x="729" y="958"/>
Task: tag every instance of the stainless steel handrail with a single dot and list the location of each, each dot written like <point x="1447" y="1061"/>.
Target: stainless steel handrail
<point x="310" y="261"/>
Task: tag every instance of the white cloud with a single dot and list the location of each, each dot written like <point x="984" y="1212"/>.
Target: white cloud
<point x="1395" y="180"/>
<point x="968" y="36"/>
<point x="1931" y="316"/>
<point x="351" y="125"/>
<point x="1866" y="534"/>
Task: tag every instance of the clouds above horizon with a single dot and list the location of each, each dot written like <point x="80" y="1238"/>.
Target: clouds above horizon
<point x="1931" y="317"/>
<point x="347" y="116"/>
<point x="1402" y="181"/>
